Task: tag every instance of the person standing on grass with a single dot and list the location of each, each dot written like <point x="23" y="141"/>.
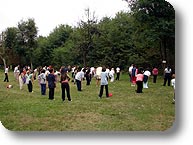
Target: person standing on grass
<point x="88" y="76"/>
<point x="118" y="73"/>
<point x="155" y="73"/>
<point x="146" y="74"/>
<point x="29" y="81"/>
<point x="98" y="75"/>
<point x="133" y="75"/>
<point x="73" y="73"/>
<point x="173" y="84"/>
<point x="16" y="72"/>
<point x="167" y="75"/>
<point x="42" y="81"/>
<point x="51" y="83"/>
<point x="6" y="74"/>
<point x="79" y="77"/>
<point x="21" y="80"/>
<point x="139" y="80"/>
<point x="111" y="74"/>
<point x="65" y="85"/>
<point x="130" y="72"/>
<point x="104" y="83"/>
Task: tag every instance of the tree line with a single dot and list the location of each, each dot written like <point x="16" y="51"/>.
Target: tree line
<point x="145" y="35"/>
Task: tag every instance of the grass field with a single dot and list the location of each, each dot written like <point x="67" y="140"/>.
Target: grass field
<point x="124" y="111"/>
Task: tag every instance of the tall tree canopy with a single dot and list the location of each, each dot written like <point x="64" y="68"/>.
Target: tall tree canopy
<point x="27" y="38"/>
<point x="155" y="21"/>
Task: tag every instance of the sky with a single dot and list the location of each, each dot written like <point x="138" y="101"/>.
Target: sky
<point x="50" y="13"/>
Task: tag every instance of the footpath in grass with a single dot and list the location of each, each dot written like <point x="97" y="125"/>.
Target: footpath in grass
<point x="124" y="111"/>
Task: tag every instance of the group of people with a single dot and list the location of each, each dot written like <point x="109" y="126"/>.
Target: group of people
<point x="47" y="76"/>
<point x="139" y="77"/>
<point x="101" y="74"/>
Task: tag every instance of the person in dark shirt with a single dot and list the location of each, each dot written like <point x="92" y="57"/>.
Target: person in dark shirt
<point x="65" y="85"/>
<point x="51" y="83"/>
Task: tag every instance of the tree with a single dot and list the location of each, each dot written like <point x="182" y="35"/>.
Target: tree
<point x="87" y="31"/>
<point x="59" y="36"/>
<point x="7" y="43"/>
<point x="3" y="49"/>
<point x="155" y="21"/>
<point x="43" y="52"/>
<point x="27" y="39"/>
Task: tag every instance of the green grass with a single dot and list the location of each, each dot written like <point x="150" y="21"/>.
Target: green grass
<point x="124" y="111"/>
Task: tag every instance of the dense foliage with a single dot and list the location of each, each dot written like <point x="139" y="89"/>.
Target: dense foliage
<point x="145" y="35"/>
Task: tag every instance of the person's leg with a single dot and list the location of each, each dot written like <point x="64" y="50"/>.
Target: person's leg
<point x="68" y="91"/>
<point x="30" y="86"/>
<point x="20" y="85"/>
<point x="6" y="77"/>
<point x="107" y="91"/>
<point x="87" y="80"/>
<point x="63" y="91"/>
<point x="169" y="80"/>
<point x="165" y="79"/>
<point x="80" y="86"/>
<point x="44" y="89"/>
<point x="78" y="83"/>
<point x="41" y="89"/>
<point x="174" y="97"/>
<point x="118" y="76"/>
<point x="53" y="89"/>
<point x="138" y="86"/>
<point x="101" y="91"/>
<point x="154" y="79"/>
<point x="147" y="83"/>
<point x="130" y="77"/>
<point x="51" y="93"/>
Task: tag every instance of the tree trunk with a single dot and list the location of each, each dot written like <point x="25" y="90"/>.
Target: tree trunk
<point x="4" y="61"/>
<point x="161" y="53"/>
<point x="165" y="49"/>
<point x="84" y="58"/>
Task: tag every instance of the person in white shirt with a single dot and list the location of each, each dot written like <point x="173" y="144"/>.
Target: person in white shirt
<point x="167" y="75"/>
<point x="16" y="72"/>
<point x="29" y="80"/>
<point x="6" y="74"/>
<point x="146" y="74"/>
<point x="118" y="73"/>
<point x="73" y="73"/>
<point x="173" y="84"/>
<point x="21" y="80"/>
<point x="104" y="83"/>
<point x="107" y="71"/>
<point x="79" y="77"/>
<point x="130" y="72"/>
<point x="42" y="81"/>
<point x="98" y="75"/>
<point x="111" y="75"/>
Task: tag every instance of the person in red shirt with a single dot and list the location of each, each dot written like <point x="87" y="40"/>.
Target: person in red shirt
<point x="155" y="73"/>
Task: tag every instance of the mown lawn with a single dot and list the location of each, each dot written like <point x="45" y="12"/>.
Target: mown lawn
<point x="124" y="111"/>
